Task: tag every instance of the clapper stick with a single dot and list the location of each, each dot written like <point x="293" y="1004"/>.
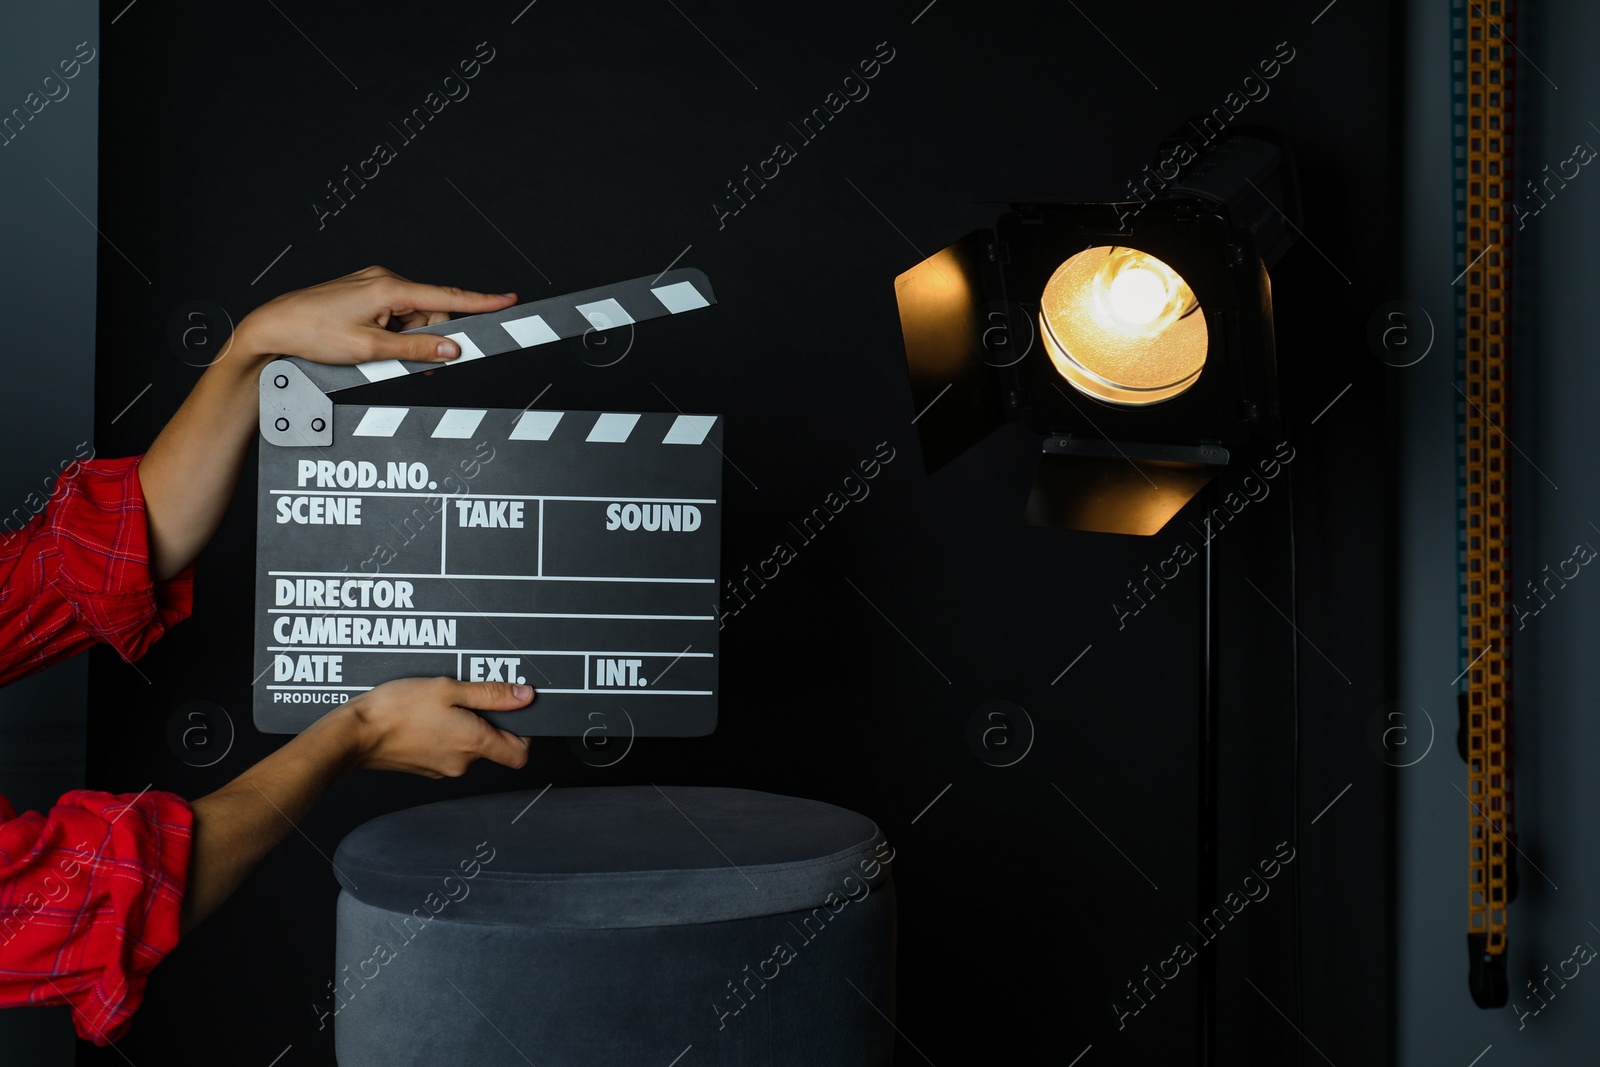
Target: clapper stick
<point x="575" y="551"/>
<point x="294" y="408"/>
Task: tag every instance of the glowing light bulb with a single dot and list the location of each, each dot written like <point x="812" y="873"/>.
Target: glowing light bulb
<point x="1137" y="295"/>
<point x="1122" y="326"/>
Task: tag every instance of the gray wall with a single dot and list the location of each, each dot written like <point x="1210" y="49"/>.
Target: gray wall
<point x="1557" y="730"/>
<point x="47" y="276"/>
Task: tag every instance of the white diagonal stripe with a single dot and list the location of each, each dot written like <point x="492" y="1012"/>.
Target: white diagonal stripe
<point x="680" y="296"/>
<point x="535" y="425"/>
<point x="612" y="428"/>
<point x="459" y="422"/>
<point x="530" y="331"/>
<point x="468" y="349"/>
<point x="689" y="429"/>
<point x="379" y="370"/>
<point x="605" y="314"/>
<point x="379" y="422"/>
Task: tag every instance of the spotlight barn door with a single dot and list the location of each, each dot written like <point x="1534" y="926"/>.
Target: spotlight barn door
<point x="959" y="341"/>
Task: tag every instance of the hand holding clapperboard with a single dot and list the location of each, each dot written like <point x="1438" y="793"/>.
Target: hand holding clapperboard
<point x="575" y="551"/>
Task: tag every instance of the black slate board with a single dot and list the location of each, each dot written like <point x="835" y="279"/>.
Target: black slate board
<point x="576" y="551"/>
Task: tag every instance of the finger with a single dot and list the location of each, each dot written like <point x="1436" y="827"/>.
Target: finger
<point x="447" y="298"/>
<point x="374" y="272"/>
<point x="504" y="748"/>
<point x="420" y="347"/>
<point x="490" y="696"/>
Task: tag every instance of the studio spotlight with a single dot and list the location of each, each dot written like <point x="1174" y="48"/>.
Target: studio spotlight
<point x="1134" y="338"/>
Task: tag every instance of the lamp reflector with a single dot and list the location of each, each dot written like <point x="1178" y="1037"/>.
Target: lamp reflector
<point x="1122" y="326"/>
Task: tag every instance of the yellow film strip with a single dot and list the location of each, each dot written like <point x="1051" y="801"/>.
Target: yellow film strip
<point x="1483" y="116"/>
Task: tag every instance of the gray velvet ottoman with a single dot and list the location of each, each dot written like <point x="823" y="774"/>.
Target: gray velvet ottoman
<point x="616" y="925"/>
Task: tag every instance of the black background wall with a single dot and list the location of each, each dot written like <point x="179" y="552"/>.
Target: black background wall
<point x="592" y="147"/>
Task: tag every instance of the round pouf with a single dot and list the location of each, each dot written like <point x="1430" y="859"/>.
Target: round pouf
<point x="616" y="925"/>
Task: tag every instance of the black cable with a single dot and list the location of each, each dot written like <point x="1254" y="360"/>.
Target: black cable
<point x="1206" y="813"/>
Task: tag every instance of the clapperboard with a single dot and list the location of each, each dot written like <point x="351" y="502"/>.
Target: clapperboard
<point x="574" y="551"/>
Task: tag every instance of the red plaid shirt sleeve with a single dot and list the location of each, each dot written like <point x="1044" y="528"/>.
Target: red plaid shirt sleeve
<point x="90" y="898"/>
<point x="90" y="895"/>
<point x="80" y="574"/>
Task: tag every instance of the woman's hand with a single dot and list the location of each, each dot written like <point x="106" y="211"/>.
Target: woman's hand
<point x="354" y="319"/>
<point x="419" y="725"/>
<point x="427" y="726"/>
<point x="190" y="472"/>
